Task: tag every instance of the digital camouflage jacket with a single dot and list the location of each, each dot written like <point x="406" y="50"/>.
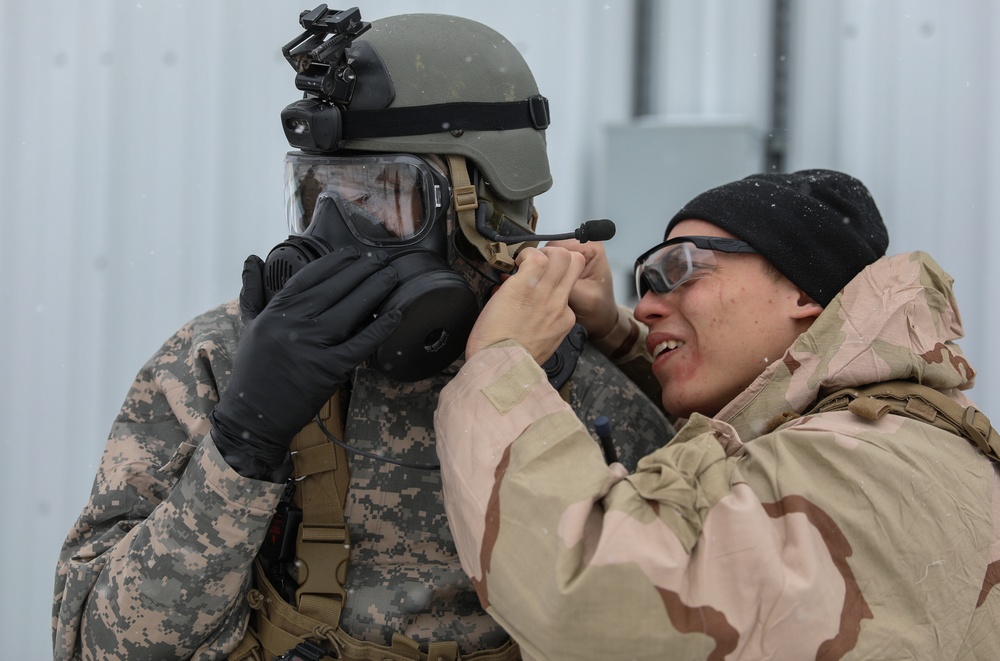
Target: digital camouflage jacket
<point x="760" y="533"/>
<point x="158" y="565"/>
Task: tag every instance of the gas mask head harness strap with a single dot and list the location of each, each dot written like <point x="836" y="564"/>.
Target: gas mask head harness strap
<point x="366" y="126"/>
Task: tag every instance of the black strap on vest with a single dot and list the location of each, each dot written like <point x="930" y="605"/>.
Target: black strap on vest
<point x="917" y="402"/>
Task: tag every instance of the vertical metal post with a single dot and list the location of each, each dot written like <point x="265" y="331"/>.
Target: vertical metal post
<point x="643" y="85"/>
<point x="776" y="145"/>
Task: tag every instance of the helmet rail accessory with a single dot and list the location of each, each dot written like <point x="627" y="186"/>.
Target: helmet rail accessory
<point x="319" y="55"/>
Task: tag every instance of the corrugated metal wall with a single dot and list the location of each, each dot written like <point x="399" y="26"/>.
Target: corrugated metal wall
<point x="905" y="94"/>
<point x="140" y="162"/>
<point x="706" y="121"/>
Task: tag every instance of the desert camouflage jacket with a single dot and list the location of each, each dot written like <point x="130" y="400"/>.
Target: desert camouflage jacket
<point x="760" y="533"/>
<point x="158" y="565"/>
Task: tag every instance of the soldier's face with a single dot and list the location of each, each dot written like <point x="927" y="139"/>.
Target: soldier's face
<point x="711" y="337"/>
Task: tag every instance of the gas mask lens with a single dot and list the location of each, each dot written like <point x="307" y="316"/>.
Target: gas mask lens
<point x="385" y="199"/>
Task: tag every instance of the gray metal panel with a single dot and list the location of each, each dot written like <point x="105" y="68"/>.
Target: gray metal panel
<point x="126" y="165"/>
<point x="713" y="58"/>
<point x="905" y="95"/>
<point x="657" y="166"/>
<point x="710" y="73"/>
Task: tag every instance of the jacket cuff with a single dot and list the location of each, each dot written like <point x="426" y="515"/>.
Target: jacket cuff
<point x="209" y="469"/>
<point x="626" y="341"/>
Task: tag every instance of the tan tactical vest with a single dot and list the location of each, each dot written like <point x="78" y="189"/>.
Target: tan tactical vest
<point x="323" y="549"/>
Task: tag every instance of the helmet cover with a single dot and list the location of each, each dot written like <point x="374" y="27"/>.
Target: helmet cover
<point x="435" y="58"/>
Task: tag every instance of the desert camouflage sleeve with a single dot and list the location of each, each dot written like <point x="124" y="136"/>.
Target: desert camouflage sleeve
<point x="579" y="560"/>
<point x="158" y="562"/>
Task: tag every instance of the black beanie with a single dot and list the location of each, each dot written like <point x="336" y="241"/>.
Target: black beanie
<point x="819" y="228"/>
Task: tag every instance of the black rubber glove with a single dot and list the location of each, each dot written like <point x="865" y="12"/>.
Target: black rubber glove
<point x="295" y="352"/>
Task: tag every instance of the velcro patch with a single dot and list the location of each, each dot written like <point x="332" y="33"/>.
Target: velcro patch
<point x="510" y="389"/>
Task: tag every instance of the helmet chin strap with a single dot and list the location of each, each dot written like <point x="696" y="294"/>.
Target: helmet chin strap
<point x="499" y="255"/>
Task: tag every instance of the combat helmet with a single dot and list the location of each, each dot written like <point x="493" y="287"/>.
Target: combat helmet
<point x="427" y="84"/>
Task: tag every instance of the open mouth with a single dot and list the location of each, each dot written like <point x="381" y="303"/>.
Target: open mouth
<point x="665" y="346"/>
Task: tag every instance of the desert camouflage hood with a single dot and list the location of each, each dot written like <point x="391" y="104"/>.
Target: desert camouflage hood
<point x="898" y="319"/>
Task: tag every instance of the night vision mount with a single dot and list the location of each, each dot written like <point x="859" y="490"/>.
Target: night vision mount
<point x="335" y="72"/>
<point x="319" y="55"/>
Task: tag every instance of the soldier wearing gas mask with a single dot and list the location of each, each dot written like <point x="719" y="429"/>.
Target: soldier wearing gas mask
<point x="269" y="488"/>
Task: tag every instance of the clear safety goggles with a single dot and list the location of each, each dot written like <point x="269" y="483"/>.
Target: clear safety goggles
<point x="665" y="267"/>
<point x="386" y="198"/>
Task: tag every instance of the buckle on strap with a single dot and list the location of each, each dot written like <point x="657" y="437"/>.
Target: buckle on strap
<point x="538" y="110"/>
<point x="323" y="552"/>
<point x="465" y="198"/>
<point x="977" y="428"/>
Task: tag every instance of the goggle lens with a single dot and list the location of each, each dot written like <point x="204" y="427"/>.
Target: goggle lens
<point x="387" y="198"/>
<point x="666" y="269"/>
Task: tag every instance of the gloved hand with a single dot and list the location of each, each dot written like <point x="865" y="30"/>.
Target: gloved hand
<point x="295" y="353"/>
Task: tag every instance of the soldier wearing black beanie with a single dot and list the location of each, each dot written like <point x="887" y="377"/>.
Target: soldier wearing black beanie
<point x="819" y="228"/>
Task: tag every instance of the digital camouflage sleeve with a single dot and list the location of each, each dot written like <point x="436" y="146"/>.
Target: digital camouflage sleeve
<point x="134" y="581"/>
<point x="761" y="533"/>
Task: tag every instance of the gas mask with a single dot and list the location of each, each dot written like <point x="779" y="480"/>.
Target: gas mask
<point x="397" y="203"/>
